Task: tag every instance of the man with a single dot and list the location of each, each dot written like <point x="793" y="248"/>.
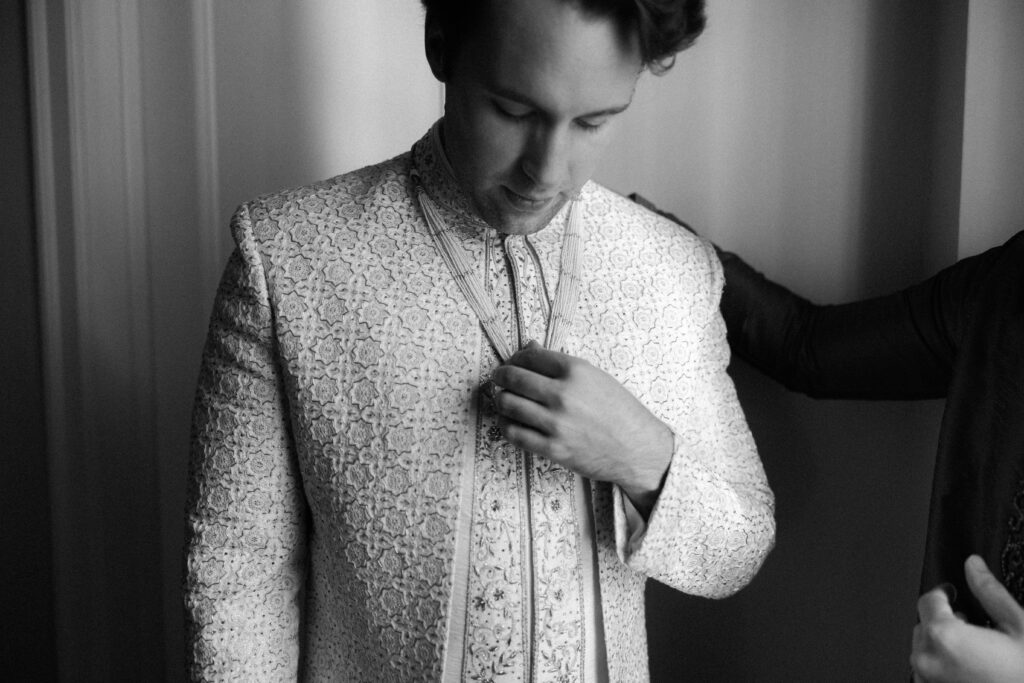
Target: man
<point x="359" y="508"/>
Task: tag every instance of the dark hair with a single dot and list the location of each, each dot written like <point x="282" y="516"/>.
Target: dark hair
<point x="665" y="27"/>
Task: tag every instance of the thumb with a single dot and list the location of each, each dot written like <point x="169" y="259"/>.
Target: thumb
<point x="934" y="605"/>
<point x="993" y="596"/>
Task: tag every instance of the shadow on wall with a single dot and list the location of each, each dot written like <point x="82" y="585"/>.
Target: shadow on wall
<point x="913" y="122"/>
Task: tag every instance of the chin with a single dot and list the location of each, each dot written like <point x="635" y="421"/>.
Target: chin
<point x="514" y="223"/>
<point x="520" y="226"/>
<point x="517" y="223"/>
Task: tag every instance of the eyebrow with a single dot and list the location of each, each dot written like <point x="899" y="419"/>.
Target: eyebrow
<point x="514" y="96"/>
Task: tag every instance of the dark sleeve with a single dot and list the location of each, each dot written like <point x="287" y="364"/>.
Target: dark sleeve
<point x="899" y="346"/>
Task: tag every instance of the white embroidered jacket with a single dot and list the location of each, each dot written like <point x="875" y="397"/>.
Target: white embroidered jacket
<point x="353" y="512"/>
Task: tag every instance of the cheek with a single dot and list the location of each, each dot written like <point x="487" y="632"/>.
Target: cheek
<point x="496" y="146"/>
<point x="475" y="142"/>
<point x="589" y="150"/>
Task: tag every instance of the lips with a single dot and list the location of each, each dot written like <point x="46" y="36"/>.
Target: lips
<point x="525" y="203"/>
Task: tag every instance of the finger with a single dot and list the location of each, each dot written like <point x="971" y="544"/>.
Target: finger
<point x="543" y="361"/>
<point x="993" y="596"/>
<point x="934" y="605"/>
<point x="524" y="437"/>
<point x="918" y="654"/>
<point x="922" y="660"/>
<point x="918" y="678"/>
<point x="916" y="657"/>
<point x="525" y="382"/>
<point x="525" y="411"/>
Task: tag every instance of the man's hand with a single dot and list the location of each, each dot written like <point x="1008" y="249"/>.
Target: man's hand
<point x="947" y="649"/>
<point x="563" y="408"/>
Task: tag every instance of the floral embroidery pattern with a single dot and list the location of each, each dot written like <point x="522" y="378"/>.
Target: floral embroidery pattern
<point x="338" y="394"/>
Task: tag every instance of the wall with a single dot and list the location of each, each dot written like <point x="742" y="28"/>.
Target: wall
<point x="822" y="140"/>
<point x="992" y="205"/>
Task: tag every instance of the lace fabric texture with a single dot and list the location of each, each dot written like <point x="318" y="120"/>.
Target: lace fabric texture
<point x="337" y="414"/>
<point x="1013" y="552"/>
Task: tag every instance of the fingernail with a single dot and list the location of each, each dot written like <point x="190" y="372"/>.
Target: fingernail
<point x="950" y="591"/>
<point x="978" y="563"/>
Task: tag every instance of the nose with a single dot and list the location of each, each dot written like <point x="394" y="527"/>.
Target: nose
<point x="546" y="158"/>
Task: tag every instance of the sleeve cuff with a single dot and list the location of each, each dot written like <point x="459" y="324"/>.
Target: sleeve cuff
<point x="630" y="526"/>
<point x="634" y="528"/>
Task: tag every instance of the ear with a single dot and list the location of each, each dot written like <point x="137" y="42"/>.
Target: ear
<point x="434" y="42"/>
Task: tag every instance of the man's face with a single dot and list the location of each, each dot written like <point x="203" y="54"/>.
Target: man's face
<point x="529" y="107"/>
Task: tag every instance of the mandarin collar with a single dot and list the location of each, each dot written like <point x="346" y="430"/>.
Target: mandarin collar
<point x="438" y="179"/>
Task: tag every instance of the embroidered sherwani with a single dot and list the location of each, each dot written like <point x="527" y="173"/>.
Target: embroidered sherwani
<point x="354" y="513"/>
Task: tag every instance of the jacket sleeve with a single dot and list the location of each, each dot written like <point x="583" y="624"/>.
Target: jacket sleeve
<point x="246" y="514"/>
<point x="713" y="523"/>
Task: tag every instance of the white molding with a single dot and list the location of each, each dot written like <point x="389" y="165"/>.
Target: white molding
<point x="53" y="316"/>
<point x="109" y="192"/>
<point x="97" y="329"/>
<point x="77" y="133"/>
<point x="46" y="220"/>
<point x="211" y="223"/>
<point x="133" y="178"/>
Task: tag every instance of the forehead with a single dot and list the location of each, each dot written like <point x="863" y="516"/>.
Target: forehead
<point x="554" y="53"/>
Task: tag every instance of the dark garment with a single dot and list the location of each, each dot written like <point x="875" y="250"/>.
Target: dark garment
<point x="959" y="335"/>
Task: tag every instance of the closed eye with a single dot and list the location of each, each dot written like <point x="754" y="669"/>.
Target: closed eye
<point x="591" y="125"/>
<point x="515" y="112"/>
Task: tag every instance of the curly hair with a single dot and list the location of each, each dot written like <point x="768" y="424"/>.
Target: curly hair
<point x="664" y="27"/>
